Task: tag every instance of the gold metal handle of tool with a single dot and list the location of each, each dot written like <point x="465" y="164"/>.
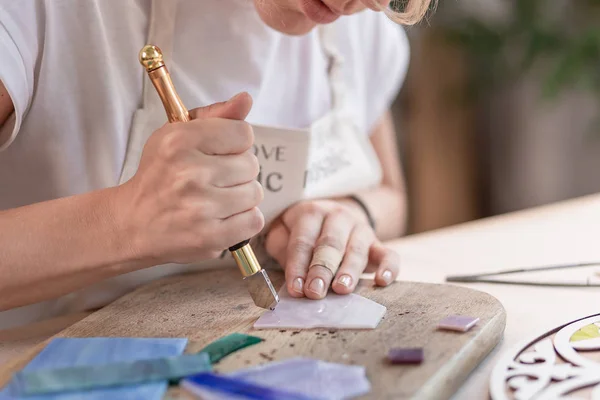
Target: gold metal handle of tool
<point x="245" y="258"/>
<point x="151" y="58"/>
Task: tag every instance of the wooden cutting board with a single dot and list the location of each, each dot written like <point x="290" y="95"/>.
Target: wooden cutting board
<point x="208" y="305"/>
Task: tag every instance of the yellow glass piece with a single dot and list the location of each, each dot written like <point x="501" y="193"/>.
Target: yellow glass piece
<point x="591" y="331"/>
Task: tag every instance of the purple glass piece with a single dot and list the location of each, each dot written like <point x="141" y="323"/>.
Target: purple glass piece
<point x="409" y="355"/>
<point x="459" y="323"/>
<point x="335" y="311"/>
<point x="315" y="379"/>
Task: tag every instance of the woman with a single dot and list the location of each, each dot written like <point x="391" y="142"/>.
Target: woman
<point x="98" y="195"/>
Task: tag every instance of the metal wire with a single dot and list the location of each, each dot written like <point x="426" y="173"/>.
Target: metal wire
<point x="481" y="278"/>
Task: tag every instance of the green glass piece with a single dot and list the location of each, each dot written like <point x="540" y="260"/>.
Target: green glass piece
<point x="226" y="345"/>
<point x="111" y="375"/>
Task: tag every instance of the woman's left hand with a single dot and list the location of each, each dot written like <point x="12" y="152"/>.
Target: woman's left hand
<point x="321" y="241"/>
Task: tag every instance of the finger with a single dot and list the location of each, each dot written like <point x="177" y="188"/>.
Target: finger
<point x="386" y="262"/>
<point x="303" y="237"/>
<point x="234" y="170"/>
<point x="328" y="254"/>
<point x="238" y="107"/>
<point x="355" y="260"/>
<point x="217" y="136"/>
<point x="236" y="199"/>
<point x="276" y="242"/>
<point x="237" y="228"/>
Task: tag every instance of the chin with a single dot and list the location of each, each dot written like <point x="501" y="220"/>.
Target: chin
<point x="297" y="17"/>
<point x="298" y="28"/>
<point x="283" y="18"/>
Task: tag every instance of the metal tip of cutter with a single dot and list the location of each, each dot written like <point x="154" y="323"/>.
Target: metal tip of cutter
<point x="261" y="290"/>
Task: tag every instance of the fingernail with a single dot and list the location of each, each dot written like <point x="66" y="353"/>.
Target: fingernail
<point x="317" y="286"/>
<point x="387" y="276"/>
<point x="297" y="285"/>
<point x="345" y="280"/>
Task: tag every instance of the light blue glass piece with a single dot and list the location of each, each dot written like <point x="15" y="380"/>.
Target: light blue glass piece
<point x="70" y="352"/>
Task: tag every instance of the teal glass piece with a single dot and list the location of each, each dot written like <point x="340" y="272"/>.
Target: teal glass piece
<point x="226" y="345"/>
<point x="124" y="368"/>
<point x="111" y="375"/>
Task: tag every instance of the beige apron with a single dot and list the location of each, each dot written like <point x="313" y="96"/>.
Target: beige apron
<point x="330" y="158"/>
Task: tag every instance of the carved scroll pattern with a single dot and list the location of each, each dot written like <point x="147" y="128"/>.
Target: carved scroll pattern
<point x="550" y="368"/>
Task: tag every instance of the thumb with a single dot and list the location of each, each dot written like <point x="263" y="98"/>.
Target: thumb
<point x="237" y="107"/>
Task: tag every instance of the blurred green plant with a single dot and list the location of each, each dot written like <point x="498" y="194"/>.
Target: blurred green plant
<point x="561" y="47"/>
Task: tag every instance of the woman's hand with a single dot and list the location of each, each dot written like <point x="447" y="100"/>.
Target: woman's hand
<point x="321" y="241"/>
<point x="195" y="192"/>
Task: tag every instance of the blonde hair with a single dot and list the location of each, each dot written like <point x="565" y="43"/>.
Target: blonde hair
<point x="412" y="12"/>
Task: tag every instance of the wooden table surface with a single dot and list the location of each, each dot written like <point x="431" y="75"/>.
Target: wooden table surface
<point x="208" y="305"/>
<point x="560" y="233"/>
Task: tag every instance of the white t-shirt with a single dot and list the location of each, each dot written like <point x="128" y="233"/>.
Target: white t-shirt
<point x="71" y="68"/>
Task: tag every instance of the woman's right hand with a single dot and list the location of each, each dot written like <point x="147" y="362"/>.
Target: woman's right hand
<point x="195" y="192"/>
